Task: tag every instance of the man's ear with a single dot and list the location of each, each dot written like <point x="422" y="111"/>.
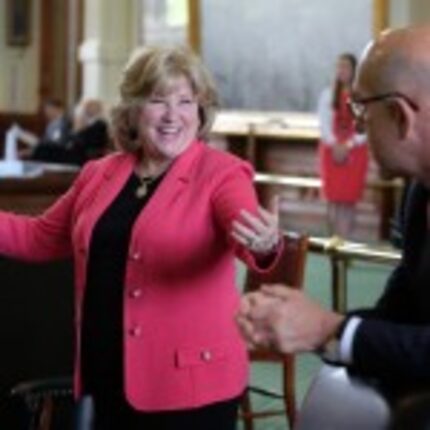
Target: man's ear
<point x="404" y="117"/>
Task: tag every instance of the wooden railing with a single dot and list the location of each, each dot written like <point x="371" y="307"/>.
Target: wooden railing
<point x="390" y="189"/>
<point x="340" y="253"/>
<point x="307" y="182"/>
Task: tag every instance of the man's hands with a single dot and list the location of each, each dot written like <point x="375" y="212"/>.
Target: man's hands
<point x="285" y="319"/>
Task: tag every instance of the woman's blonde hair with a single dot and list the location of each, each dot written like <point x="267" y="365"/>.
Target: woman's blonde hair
<point x="150" y="70"/>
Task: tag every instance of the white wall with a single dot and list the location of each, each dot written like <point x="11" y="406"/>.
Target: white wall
<point x="279" y="54"/>
<point x="420" y="11"/>
<point x="265" y="54"/>
<point x="405" y="12"/>
<point x="399" y="14"/>
<point x="20" y="66"/>
<point x="109" y="37"/>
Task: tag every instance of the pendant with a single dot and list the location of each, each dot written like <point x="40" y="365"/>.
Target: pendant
<point x="142" y="190"/>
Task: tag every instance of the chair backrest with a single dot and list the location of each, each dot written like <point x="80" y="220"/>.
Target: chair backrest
<point x="49" y="402"/>
<point x="290" y="268"/>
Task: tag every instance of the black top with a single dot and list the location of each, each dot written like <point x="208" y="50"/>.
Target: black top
<point x="102" y="349"/>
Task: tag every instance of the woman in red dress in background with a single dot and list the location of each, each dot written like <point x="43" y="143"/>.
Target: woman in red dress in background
<point x="343" y="152"/>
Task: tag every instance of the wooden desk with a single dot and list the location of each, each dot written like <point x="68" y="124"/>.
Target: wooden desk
<point x="286" y="143"/>
<point x="32" y="195"/>
<point x="36" y="305"/>
<point x="248" y="131"/>
<point x="280" y="125"/>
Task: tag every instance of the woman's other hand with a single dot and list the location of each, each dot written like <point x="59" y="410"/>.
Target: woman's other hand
<point x="259" y="233"/>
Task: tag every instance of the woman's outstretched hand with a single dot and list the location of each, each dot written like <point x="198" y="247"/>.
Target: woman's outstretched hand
<point x="259" y="233"/>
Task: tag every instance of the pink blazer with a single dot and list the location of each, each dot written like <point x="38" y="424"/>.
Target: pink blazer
<point x="181" y="345"/>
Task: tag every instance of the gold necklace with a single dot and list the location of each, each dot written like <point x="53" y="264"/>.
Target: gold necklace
<point x="145" y="182"/>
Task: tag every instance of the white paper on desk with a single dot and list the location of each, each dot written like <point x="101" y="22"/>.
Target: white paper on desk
<point x="10" y="152"/>
<point x="10" y="165"/>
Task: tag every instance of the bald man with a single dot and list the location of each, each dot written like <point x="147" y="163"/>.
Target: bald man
<point x="391" y="101"/>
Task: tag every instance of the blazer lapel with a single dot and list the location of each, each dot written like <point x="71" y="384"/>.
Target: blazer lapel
<point x="112" y="181"/>
<point x="174" y="183"/>
<point x="115" y="176"/>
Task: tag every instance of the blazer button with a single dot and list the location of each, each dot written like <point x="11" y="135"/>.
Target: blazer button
<point x="135" y="256"/>
<point x="135" y="331"/>
<point x="135" y="293"/>
<point x="206" y="355"/>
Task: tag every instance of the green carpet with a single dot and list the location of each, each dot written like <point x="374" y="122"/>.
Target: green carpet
<point x="365" y="285"/>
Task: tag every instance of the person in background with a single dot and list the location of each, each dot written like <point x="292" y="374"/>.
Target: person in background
<point x="90" y="136"/>
<point x="391" y="341"/>
<point x="56" y="131"/>
<point x="154" y="230"/>
<point x="343" y="152"/>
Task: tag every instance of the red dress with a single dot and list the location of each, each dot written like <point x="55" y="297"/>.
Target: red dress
<point x="343" y="183"/>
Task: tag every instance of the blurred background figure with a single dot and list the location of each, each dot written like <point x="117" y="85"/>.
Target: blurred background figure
<point x="68" y="142"/>
<point x="342" y="151"/>
<point x="56" y="132"/>
<point x="90" y="136"/>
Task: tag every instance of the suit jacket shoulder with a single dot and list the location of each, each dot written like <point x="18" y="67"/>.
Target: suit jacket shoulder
<point x="393" y="341"/>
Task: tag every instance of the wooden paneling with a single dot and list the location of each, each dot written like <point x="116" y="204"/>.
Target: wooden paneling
<point x="54" y="49"/>
<point x="33" y="195"/>
<point x="194" y="25"/>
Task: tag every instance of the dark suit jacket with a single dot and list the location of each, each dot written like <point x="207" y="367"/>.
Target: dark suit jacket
<point x="91" y="138"/>
<point x="78" y="147"/>
<point x="393" y="341"/>
<point x="56" y="132"/>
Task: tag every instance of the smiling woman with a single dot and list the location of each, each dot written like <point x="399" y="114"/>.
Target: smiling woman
<point x="195" y="210"/>
<point x="154" y="229"/>
<point x="169" y="120"/>
<point x="150" y="78"/>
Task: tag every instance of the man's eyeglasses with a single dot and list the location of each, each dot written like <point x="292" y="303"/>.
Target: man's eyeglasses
<point x="358" y="106"/>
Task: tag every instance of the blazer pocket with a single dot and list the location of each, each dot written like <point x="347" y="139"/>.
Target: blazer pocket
<point x="200" y="356"/>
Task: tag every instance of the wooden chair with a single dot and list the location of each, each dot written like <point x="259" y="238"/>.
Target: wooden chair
<point x="49" y="402"/>
<point x="289" y="271"/>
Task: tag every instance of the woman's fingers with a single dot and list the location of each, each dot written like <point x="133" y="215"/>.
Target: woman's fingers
<point x="243" y="240"/>
<point x="243" y="230"/>
<point x="259" y="233"/>
<point x="258" y="224"/>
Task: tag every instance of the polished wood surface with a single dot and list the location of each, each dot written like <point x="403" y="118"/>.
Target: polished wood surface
<point x="33" y="194"/>
<point x="273" y="124"/>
